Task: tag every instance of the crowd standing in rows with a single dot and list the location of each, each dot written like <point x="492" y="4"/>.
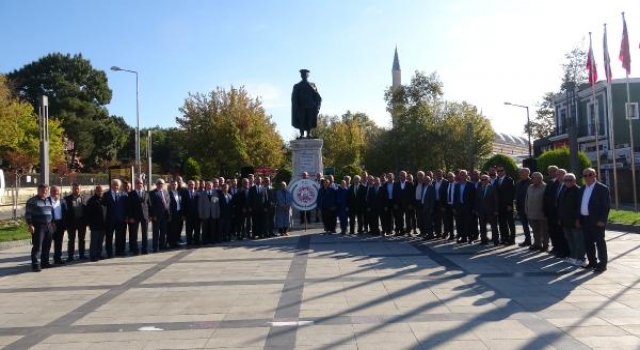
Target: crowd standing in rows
<point x="454" y="206"/>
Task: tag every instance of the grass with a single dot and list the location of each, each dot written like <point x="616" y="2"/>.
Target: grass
<point x="624" y="217"/>
<point x="14" y="233"/>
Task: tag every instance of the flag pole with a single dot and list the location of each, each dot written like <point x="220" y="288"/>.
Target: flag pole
<point x="612" y="142"/>
<point x="632" y="152"/>
<point x="592" y="78"/>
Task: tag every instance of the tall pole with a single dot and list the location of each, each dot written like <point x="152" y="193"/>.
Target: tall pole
<point x="43" y="122"/>
<point x="627" y="108"/>
<point x="138" y="159"/>
<point x="149" y="180"/>
<point x="592" y="79"/>
<point x="529" y="132"/>
<point x="612" y="142"/>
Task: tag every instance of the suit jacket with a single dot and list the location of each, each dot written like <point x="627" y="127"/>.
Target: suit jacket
<point x="96" y="213"/>
<point x="226" y="205"/>
<point x="468" y="196"/>
<point x="353" y="198"/>
<point x="209" y="205"/>
<point x="241" y="202"/>
<point x="428" y="200"/>
<point x="173" y="204"/>
<point x="442" y="190"/>
<point x="116" y="206"/>
<point x="68" y="212"/>
<point x="138" y="206"/>
<point x="327" y="198"/>
<point x="549" y="205"/>
<point x="159" y="208"/>
<point x="599" y="203"/>
<point x="487" y="202"/>
<point x="521" y="194"/>
<point x="569" y="207"/>
<point x="404" y="198"/>
<point x="506" y="193"/>
<point x="191" y="204"/>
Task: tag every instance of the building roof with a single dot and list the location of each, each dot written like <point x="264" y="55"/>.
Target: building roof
<point x="396" y="61"/>
<point x="510" y="139"/>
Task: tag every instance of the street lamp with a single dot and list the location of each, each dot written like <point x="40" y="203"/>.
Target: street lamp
<point x="528" y="123"/>
<point x="138" y="163"/>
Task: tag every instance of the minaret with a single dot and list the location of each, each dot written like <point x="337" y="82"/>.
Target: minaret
<point x="395" y="71"/>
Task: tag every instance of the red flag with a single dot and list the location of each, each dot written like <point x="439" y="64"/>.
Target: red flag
<point x="591" y="65"/>
<point x="607" y="59"/>
<point x="625" y="54"/>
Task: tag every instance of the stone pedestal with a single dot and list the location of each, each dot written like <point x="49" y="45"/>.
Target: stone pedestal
<point x="307" y="156"/>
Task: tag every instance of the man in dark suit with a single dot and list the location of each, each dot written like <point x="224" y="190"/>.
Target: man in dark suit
<point x="440" y="185"/>
<point x="553" y="192"/>
<point x="463" y="204"/>
<point x="487" y="210"/>
<point x="404" y="204"/>
<point x="506" y="193"/>
<point x="448" y="213"/>
<point x="242" y="209"/>
<point x="594" y="214"/>
<point x="520" y="198"/>
<point x="427" y="207"/>
<point x="191" y="213"/>
<point x="116" y="203"/>
<point x="354" y="205"/>
<point x="75" y="222"/>
<point x="176" y="211"/>
<point x="226" y="213"/>
<point x="327" y="201"/>
<point x="375" y="204"/>
<point x="138" y="214"/>
<point x="419" y="186"/>
<point x="270" y="204"/>
<point x="363" y="189"/>
<point x="159" y="214"/>
<point x="258" y="198"/>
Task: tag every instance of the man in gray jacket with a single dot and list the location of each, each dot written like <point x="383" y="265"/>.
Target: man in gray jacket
<point x="534" y="208"/>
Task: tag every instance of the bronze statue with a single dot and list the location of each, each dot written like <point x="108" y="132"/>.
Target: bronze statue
<point x="305" y="105"/>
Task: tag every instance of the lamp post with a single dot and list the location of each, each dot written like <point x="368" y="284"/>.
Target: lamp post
<point x="528" y="123"/>
<point x="138" y="162"/>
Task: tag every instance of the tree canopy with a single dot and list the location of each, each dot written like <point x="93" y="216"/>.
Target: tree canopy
<point x="421" y="123"/>
<point x="225" y="130"/>
<point x="78" y="94"/>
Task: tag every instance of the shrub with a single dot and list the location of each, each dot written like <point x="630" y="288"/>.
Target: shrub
<point x="507" y="162"/>
<point x="561" y="158"/>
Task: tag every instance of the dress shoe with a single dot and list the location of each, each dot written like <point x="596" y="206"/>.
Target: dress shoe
<point x="70" y="259"/>
<point x="535" y="247"/>
<point x="525" y="244"/>
<point x="83" y="257"/>
<point x="495" y="244"/>
<point x="484" y="242"/>
<point x="35" y="268"/>
<point x="600" y="268"/>
<point x="94" y="259"/>
<point x="590" y="266"/>
<point x="46" y="266"/>
<point x="58" y="262"/>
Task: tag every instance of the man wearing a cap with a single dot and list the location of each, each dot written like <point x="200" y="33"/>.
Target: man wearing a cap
<point x="305" y="105"/>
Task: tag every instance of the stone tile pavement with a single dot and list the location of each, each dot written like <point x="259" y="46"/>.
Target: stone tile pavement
<point x="311" y="291"/>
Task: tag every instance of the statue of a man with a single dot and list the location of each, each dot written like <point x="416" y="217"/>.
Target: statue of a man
<point x="305" y="105"/>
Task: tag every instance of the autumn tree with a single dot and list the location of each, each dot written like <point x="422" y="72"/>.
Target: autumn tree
<point x="78" y="95"/>
<point x="225" y="130"/>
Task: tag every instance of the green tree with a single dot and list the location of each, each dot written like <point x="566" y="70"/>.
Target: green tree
<point x="561" y="158"/>
<point x="226" y="130"/>
<point x="191" y="169"/>
<point x="544" y="122"/>
<point x="167" y="148"/>
<point x="510" y="166"/>
<point x="20" y="139"/>
<point x="78" y="94"/>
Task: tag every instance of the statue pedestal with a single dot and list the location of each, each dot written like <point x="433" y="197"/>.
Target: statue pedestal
<point x="307" y="156"/>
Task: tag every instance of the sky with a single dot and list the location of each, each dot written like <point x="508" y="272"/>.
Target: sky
<point x="485" y="52"/>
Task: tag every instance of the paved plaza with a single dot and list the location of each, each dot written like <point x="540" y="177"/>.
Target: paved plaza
<point x="311" y="291"/>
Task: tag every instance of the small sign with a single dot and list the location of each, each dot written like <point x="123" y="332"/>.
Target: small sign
<point x="305" y="194"/>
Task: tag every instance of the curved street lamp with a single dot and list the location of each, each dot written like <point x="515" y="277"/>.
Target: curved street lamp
<point x="138" y="162"/>
<point x="528" y="123"/>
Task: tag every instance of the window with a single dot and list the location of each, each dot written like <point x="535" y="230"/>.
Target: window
<point x="632" y="110"/>
<point x="560" y="122"/>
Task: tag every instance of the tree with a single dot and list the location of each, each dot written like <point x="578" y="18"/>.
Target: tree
<point x="78" y="94"/>
<point x="226" y="130"/>
<point x="543" y="124"/>
<point x="574" y="71"/>
<point x="510" y="166"/>
<point x="20" y="136"/>
<point x="421" y="123"/>
<point x="561" y="158"/>
<point x="191" y="169"/>
<point x="168" y="151"/>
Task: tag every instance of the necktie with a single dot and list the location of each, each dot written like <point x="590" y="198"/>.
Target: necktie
<point x="451" y="193"/>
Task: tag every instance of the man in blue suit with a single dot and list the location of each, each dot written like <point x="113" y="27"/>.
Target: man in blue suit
<point x="159" y="213"/>
<point x="594" y="213"/>
<point x="116" y="202"/>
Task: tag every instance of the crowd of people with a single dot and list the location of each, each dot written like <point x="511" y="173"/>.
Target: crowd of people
<point x="456" y="206"/>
